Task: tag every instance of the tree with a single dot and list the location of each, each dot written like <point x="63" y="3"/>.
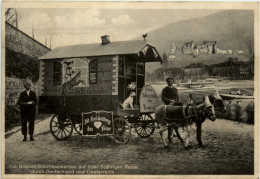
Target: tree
<point x="165" y="59"/>
<point x="12" y="16"/>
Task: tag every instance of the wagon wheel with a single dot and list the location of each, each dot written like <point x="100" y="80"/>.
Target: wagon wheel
<point x="61" y="127"/>
<point x="146" y="127"/>
<point x="78" y="127"/>
<point x="122" y="131"/>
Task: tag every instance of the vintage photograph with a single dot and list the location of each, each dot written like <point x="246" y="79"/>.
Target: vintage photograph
<point x="142" y="88"/>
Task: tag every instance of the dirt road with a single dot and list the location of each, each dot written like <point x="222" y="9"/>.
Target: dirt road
<point x="229" y="149"/>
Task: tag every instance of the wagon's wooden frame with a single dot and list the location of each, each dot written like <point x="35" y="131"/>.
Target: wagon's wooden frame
<point x="109" y="72"/>
<point x="62" y="126"/>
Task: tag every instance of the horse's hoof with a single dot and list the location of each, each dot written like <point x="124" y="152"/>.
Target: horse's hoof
<point x="187" y="148"/>
<point x="167" y="147"/>
<point x="200" y="145"/>
<point x="170" y="142"/>
<point x="181" y="141"/>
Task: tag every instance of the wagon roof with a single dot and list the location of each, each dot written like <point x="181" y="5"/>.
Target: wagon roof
<point x="97" y="49"/>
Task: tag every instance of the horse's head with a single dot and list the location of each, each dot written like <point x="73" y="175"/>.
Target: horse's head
<point x="208" y="110"/>
<point x="217" y="102"/>
<point x="191" y="100"/>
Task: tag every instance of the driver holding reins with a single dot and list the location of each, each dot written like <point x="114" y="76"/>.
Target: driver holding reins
<point x="169" y="93"/>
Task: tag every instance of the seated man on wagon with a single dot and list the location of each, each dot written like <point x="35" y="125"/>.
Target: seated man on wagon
<point x="128" y="103"/>
<point x="170" y="93"/>
<point x="170" y="96"/>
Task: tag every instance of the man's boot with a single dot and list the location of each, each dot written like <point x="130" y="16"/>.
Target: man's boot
<point x="24" y="138"/>
<point x="31" y="138"/>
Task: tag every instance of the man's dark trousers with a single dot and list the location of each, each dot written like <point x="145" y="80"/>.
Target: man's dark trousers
<point x="27" y="118"/>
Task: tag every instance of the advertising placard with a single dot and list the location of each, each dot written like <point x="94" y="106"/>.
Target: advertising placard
<point x="97" y="123"/>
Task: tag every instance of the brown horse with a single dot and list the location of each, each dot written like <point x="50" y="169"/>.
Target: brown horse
<point x="192" y="113"/>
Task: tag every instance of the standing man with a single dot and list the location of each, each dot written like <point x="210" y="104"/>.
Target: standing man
<point x="169" y="93"/>
<point x="27" y="102"/>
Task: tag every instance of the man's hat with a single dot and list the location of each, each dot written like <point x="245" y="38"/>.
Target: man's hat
<point x="170" y="78"/>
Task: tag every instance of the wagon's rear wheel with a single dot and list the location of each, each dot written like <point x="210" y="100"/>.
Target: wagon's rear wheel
<point x="61" y="127"/>
<point x="146" y="126"/>
<point x="78" y="127"/>
<point x="122" y="131"/>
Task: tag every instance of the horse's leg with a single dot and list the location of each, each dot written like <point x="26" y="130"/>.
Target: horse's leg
<point x="178" y="134"/>
<point x="199" y="124"/>
<point x="163" y="135"/>
<point x="170" y="134"/>
<point x="159" y="116"/>
<point x="187" y="139"/>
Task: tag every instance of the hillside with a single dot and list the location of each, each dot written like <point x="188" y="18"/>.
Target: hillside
<point x="232" y="29"/>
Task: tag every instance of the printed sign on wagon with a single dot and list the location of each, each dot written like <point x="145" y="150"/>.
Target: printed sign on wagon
<point x="97" y="123"/>
<point x="148" y="99"/>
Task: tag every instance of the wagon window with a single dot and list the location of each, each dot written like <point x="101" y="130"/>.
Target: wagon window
<point x="93" y="68"/>
<point x="57" y="72"/>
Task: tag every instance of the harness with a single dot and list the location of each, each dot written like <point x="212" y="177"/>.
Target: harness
<point x="188" y="119"/>
<point x="178" y="111"/>
<point x="184" y="121"/>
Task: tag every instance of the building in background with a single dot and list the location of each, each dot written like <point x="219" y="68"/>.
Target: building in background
<point x="195" y="71"/>
<point x="234" y="69"/>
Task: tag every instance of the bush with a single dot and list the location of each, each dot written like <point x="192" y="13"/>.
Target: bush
<point x="250" y="113"/>
<point x="12" y="117"/>
<point x="21" y="65"/>
<point x="238" y="113"/>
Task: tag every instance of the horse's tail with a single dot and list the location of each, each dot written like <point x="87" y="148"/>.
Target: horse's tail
<point x="156" y="111"/>
<point x="159" y="113"/>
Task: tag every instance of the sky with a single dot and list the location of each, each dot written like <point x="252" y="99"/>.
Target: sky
<point x="84" y="26"/>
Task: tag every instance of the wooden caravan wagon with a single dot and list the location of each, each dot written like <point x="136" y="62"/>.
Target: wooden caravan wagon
<point x="84" y="86"/>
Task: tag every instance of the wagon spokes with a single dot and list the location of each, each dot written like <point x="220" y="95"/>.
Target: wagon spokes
<point x="61" y="128"/>
<point x="146" y="126"/>
<point x="122" y="130"/>
<point x="78" y="127"/>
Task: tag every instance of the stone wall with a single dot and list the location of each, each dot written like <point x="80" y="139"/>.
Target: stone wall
<point x="20" y="42"/>
<point x="13" y="88"/>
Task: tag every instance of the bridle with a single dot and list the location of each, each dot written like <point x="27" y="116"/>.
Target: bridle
<point x="209" y="113"/>
<point x="218" y="104"/>
<point x="205" y="112"/>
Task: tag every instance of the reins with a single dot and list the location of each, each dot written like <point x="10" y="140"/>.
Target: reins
<point x="174" y="124"/>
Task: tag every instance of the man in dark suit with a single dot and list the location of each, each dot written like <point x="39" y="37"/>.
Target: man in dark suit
<point x="169" y="93"/>
<point x="27" y="102"/>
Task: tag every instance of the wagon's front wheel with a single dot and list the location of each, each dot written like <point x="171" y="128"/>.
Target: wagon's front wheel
<point x="122" y="131"/>
<point x="61" y="127"/>
<point x="146" y="126"/>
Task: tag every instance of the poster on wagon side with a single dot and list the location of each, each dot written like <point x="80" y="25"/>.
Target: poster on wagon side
<point x="72" y="71"/>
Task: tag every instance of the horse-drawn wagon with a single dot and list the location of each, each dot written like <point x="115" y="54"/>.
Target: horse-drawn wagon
<point x="84" y="85"/>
